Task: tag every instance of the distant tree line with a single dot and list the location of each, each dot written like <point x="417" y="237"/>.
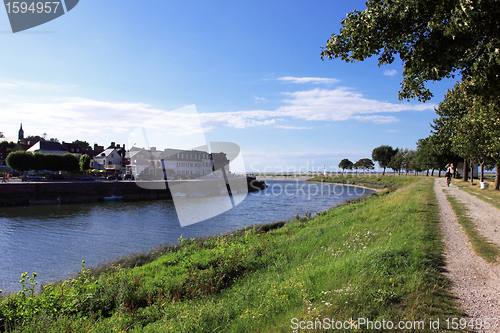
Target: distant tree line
<point x="425" y="158"/>
<point x="362" y="164"/>
<point x="25" y="161"/>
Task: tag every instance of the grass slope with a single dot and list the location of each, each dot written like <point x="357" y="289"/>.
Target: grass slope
<point x="374" y="181"/>
<point x="378" y="259"/>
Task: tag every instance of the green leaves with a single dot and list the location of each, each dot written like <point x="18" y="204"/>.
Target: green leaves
<point x="434" y="39"/>
<point x="346" y="164"/>
<point x="383" y="155"/>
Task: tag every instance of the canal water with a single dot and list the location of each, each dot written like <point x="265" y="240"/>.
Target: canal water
<point x="53" y="240"/>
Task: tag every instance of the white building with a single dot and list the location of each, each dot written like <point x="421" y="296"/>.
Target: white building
<point x="186" y="163"/>
<point x="109" y="159"/>
<point x="177" y="163"/>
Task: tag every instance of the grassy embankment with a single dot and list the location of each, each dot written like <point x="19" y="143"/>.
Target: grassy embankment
<point x="380" y="259"/>
<point x="374" y="181"/>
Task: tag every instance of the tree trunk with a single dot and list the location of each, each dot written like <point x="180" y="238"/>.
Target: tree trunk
<point x="482" y="172"/>
<point x="439" y="174"/>
<point x="427" y="174"/>
<point x="432" y="173"/>
<point x="465" y="171"/>
<point x="471" y="174"/>
<point x="383" y="172"/>
<point x="497" y="178"/>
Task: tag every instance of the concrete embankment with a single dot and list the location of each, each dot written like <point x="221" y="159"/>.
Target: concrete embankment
<point x="23" y="194"/>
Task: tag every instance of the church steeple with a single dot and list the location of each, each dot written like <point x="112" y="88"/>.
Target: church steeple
<point x="20" y="137"/>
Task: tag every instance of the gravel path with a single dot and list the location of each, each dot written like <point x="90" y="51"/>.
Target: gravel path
<point x="475" y="283"/>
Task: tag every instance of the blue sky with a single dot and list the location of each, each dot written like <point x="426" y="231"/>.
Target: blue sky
<point x="251" y="70"/>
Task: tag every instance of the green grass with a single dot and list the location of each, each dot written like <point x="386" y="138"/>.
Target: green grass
<point x="374" y="181"/>
<point x="380" y="259"/>
<point x="483" y="248"/>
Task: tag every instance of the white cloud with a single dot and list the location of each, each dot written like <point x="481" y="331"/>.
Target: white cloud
<point x="340" y="104"/>
<point x="76" y="116"/>
<point x="293" y="127"/>
<point x="81" y="117"/>
<point x="390" y="72"/>
<point x="259" y="99"/>
<point x="377" y="119"/>
<point x="315" y="80"/>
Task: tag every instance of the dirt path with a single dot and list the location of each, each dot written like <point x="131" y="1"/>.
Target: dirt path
<point x="475" y="283"/>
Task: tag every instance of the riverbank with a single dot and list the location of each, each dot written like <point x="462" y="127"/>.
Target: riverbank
<point x="374" y="182"/>
<point x="65" y="192"/>
<point x="379" y="259"/>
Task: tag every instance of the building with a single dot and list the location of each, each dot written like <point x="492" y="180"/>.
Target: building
<point x="475" y="173"/>
<point x="186" y="163"/>
<point x="72" y="148"/>
<point x="3" y="157"/>
<point x="47" y="147"/>
<point x="20" y="136"/>
<point x="109" y="160"/>
<point x="21" y="147"/>
<point x="175" y="163"/>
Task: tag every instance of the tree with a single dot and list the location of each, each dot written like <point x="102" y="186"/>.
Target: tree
<point x="383" y="156"/>
<point x="356" y="166"/>
<point x="425" y="156"/>
<point x="470" y="124"/>
<point x="84" y="162"/>
<point x="1" y="135"/>
<point x="84" y="145"/>
<point x="20" y="160"/>
<point x="471" y="140"/>
<point x="365" y="164"/>
<point x="53" y="162"/>
<point x="396" y="162"/>
<point x="408" y="156"/>
<point x="32" y="139"/>
<point x="70" y="162"/>
<point x="39" y="162"/>
<point x="7" y="146"/>
<point x="345" y="164"/>
<point x="433" y="38"/>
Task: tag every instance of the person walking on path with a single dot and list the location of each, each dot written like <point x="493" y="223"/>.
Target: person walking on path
<point x="4" y="179"/>
<point x="449" y="173"/>
<point x="448" y="178"/>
